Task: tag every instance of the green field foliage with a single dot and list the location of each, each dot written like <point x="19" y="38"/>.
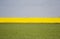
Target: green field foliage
<point x="29" y="31"/>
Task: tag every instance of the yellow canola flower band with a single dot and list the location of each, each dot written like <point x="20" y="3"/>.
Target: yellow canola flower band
<point x="29" y="20"/>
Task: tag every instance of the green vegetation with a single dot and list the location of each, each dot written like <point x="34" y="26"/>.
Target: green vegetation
<point x="29" y="31"/>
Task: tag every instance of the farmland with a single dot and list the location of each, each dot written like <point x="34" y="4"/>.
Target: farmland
<point x="29" y="31"/>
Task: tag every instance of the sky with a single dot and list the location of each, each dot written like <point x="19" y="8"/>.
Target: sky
<point x="29" y="8"/>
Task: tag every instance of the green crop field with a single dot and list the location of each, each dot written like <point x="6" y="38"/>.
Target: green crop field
<point x="29" y="31"/>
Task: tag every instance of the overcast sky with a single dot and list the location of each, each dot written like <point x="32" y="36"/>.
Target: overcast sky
<point x="29" y="8"/>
